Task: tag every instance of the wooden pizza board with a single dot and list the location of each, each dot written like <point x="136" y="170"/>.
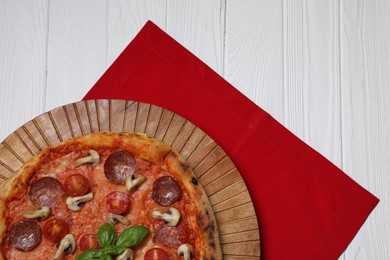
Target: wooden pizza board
<point x="227" y="192"/>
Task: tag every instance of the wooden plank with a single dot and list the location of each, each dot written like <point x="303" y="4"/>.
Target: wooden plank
<point x="192" y="143"/>
<point x="254" y="52"/>
<point x="237" y="226"/>
<point x="154" y="117"/>
<point x="130" y="116"/>
<point x="103" y="110"/>
<point x="243" y="249"/>
<point x="365" y="60"/>
<point x="126" y="18"/>
<point x="23" y="41"/>
<point x="175" y="127"/>
<point x="164" y="123"/>
<point x="117" y="115"/>
<point x="199" y="26"/>
<point x="77" y="49"/>
<point x="221" y="168"/>
<point x="228" y="192"/>
<point x="142" y="117"/>
<point x="312" y="74"/>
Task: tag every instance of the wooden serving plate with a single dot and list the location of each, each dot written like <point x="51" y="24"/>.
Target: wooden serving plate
<point x="227" y="192"/>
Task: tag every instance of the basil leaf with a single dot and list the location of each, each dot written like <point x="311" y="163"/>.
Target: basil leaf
<point x="132" y="236"/>
<point x="106" y="234"/>
<point x="106" y="257"/>
<point x="99" y="254"/>
<point x="88" y="255"/>
<point x="113" y="250"/>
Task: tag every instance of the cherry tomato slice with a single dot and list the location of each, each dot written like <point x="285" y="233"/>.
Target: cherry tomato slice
<point x="88" y="241"/>
<point x="76" y="185"/>
<point x="55" y="229"/>
<point x="156" y="254"/>
<point x="118" y="202"/>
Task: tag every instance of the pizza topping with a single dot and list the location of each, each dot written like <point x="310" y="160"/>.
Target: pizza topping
<point x="166" y="191"/>
<point x="25" y="235"/>
<point x="77" y="203"/>
<point x="88" y="241"/>
<point x="174" y="236"/>
<point x="67" y="245"/>
<point x="171" y="218"/>
<point x="114" y="218"/>
<point x="118" y="166"/>
<point x="194" y="181"/>
<point x="156" y="254"/>
<point x="46" y="191"/>
<point x="55" y="229"/>
<point x="132" y="236"/>
<point x="40" y="214"/>
<point x="112" y="245"/>
<point x="128" y="254"/>
<point x="118" y="202"/>
<point x="185" y="250"/>
<point x="93" y="158"/>
<point x="133" y="182"/>
<point x="166" y="196"/>
<point x="76" y="185"/>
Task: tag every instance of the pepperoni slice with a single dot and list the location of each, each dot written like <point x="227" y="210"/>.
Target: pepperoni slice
<point x="118" y="166"/>
<point x="45" y="192"/>
<point x="174" y="236"/>
<point x="166" y="191"/>
<point x="156" y="254"/>
<point x="25" y="235"/>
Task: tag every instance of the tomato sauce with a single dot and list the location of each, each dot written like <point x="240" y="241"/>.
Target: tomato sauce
<point x="94" y="213"/>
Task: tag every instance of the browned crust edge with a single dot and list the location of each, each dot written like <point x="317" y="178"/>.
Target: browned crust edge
<point x="205" y="216"/>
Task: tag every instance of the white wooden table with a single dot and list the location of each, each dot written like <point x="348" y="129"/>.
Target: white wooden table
<point x="321" y="67"/>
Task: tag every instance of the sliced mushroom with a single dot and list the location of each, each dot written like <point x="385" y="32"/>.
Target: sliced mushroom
<point x="186" y="251"/>
<point x="128" y="254"/>
<point x="77" y="203"/>
<point x="67" y="245"/>
<point x="113" y="218"/>
<point x="132" y="182"/>
<point x="171" y="218"/>
<point x="40" y="214"/>
<point x="93" y="158"/>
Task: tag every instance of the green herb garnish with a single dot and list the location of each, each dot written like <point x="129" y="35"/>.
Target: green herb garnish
<point x="111" y="246"/>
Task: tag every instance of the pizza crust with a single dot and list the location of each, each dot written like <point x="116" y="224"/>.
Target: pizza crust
<point x="141" y="146"/>
<point x="205" y="216"/>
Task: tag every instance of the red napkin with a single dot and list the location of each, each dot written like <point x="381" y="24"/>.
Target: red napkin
<point x="307" y="208"/>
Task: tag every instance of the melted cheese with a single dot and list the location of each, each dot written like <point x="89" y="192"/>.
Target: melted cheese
<point x="94" y="213"/>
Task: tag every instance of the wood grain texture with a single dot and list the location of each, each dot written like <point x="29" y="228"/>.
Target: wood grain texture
<point x="365" y="68"/>
<point x="319" y="67"/>
<point x="23" y="45"/>
<point x="311" y="51"/>
<point x="254" y="52"/>
<point x="200" y="27"/>
<point x="126" y="17"/>
<point x="231" y="202"/>
<point x="77" y="49"/>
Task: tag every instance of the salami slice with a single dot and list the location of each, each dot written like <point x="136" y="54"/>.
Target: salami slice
<point x="174" y="236"/>
<point x="166" y="191"/>
<point x="118" y="166"/>
<point x="46" y="191"/>
<point x="25" y="235"/>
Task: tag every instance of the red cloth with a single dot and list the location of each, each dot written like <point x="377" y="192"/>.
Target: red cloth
<point x="307" y="208"/>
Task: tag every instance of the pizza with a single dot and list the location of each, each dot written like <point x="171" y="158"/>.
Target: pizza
<point x="107" y="196"/>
